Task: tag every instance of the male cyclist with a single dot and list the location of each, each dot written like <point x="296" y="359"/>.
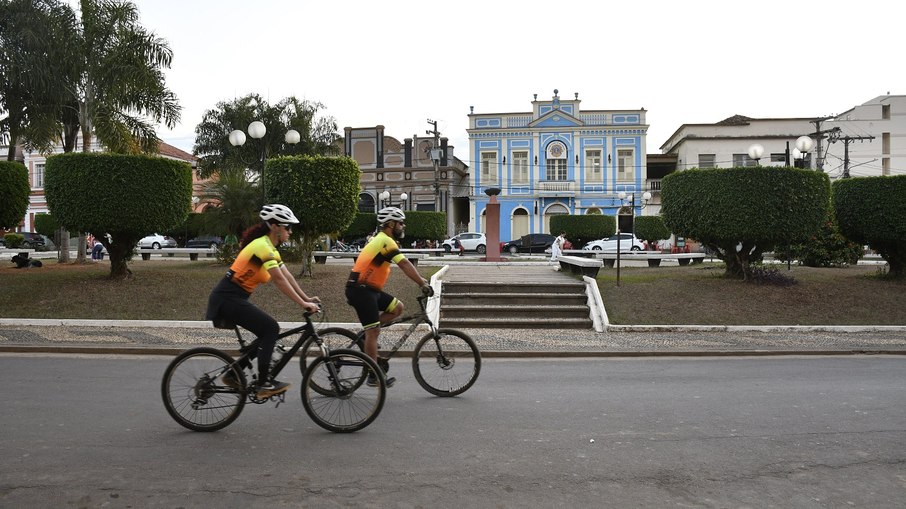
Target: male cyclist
<point x="365" y="286"/>
<point x="259" y="262"/>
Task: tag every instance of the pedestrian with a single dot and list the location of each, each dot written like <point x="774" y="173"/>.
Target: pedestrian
<point x="97" y="251"/>
<point x="458" y="245"/>
<point x="557" y="247"/>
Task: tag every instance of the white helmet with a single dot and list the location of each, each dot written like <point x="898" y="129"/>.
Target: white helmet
<point x="390" y="214"/>
<point x="276" y="213"/>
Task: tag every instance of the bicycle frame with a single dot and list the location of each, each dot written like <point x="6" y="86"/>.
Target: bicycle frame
<point x="416" y="319"/>
<point x="246" y="349"/>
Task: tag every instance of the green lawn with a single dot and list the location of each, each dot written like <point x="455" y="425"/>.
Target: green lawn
<point x="695" y="294"/>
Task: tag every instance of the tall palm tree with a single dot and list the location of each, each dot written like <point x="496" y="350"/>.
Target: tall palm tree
<point x="108" y="82"/>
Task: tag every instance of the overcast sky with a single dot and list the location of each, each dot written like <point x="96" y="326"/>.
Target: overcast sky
<point x="398" y="63"/>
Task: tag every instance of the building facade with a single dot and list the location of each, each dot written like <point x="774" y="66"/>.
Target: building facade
<point x="555" y="159"/>
<point x="868" y="140"/>
<point x="417" y="174"/>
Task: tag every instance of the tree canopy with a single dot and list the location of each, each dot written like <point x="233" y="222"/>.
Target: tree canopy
<point x="323" y="192"/>
<point x="739" y="213"/>
<point x="13" y="194"/>
<point x="216" y="154"/>
<point x="125" y="196"/>
<point x="872" y="210"/>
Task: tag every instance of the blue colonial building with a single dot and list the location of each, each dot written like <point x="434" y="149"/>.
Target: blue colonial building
<point x="556" y="159"/>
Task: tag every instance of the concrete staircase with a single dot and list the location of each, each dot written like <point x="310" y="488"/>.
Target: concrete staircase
<point x="524" y="304"/>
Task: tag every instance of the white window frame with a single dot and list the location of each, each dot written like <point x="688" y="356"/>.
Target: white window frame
<point x="556" y="170"/>
<point x="520" y="169"/>
<point x="38" y="176"/>
<point x="593" y="170"/>
<point x="704" y="163"/>
<point x="625" y="164"/>
<point x="488" y="168"/>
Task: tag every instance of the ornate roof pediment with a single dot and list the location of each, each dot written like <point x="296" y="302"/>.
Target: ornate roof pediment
<point x="556" y="118"/>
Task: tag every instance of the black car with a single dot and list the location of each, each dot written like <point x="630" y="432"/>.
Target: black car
<point x="531" y="243"/>
<point x="209" y="241"/>
<point x="32" y="240"/>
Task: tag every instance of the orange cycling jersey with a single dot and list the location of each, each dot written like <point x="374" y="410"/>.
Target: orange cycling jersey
<point x="252" y="264"/>
<point x="372" y="267"/>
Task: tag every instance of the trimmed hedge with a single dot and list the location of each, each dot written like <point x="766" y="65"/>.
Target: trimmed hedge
<point x="872" y="210"/>
<point x="126" y="196"/>
<point x="581" y="229"/>
<point x="651" y="228"/>
<point x="740" y="213"/>
<point x="14" y="191"/>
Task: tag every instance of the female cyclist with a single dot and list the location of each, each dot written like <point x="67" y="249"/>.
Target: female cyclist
<point x="259" y="262"/>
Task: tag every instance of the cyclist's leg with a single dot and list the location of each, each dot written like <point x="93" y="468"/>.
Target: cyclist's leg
<point x="370" y="305"/>
<point x="262" y="325"/>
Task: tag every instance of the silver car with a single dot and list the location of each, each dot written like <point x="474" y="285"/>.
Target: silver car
<point x="157" y="241"/>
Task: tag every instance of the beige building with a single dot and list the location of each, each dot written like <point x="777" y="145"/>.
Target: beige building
<point x="415" y="174"/>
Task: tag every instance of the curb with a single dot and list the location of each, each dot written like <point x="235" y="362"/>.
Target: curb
<point x="495" y="354"/>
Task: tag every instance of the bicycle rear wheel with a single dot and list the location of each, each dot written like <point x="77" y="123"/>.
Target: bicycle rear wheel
<point x="195" y="394"/>
<point x="334" y="337"/>
<point x="350" y="404"/>
<point x="446" y="364"/>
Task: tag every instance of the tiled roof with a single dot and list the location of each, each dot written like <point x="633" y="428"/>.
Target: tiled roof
<point x="167" y="150"/>
<point x="735" y="120"/>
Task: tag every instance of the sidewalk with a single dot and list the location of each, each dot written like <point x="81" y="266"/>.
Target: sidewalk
<point x="168" y="338"/>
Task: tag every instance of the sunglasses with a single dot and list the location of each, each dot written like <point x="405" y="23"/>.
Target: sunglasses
<point x="285" y="225"/>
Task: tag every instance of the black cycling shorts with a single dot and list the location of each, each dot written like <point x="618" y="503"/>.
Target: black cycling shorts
<point x="369" y="304"/>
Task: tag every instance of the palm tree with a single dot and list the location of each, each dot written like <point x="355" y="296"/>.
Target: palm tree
<point x="237" y="202"/>
<point x="108" y="82"/>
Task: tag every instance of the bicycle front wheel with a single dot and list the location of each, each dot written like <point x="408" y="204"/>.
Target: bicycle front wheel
<point x="446" y="364"/>
<point x="350" y="405"/>
<point x="195" y="393"/>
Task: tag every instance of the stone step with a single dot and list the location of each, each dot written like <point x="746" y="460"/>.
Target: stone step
<point x="528" y="287"/>
<point x="493" y="311"/>
<point x="513" y="299"/>
<point x="515" y="323"/>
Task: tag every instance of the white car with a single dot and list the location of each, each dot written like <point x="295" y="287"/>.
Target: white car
<point x="157" y="241"/>
<point x="628" y="242"/>
<point x="471" y="241"/>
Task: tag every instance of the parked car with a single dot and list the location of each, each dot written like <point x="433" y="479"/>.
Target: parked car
<point x="471" y="241"/>
<point x="628" y="242"/>
<point x="157" y="241"/>
<point x="33" y="240"/>
<point x="209" y="241"/>
<point x="531" y="243"/>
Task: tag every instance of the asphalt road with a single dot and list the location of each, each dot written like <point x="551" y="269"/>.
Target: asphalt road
<point x="89" y="431"/>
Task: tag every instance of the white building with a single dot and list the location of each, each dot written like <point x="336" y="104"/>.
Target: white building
<point x="868" y="140"/>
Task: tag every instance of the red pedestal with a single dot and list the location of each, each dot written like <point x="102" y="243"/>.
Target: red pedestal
<point x="492" y="222"/>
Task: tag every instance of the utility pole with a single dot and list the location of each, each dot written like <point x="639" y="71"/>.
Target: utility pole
<point x="435" y="156"/>
<point x="832" y="135"/>
<point x="846" y="141"/>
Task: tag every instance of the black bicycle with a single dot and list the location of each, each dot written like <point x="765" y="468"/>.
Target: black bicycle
<point x="446" y="362"/>
<point x="205" y="389"/>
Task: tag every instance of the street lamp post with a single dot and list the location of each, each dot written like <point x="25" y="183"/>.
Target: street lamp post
<point x="803" y="146"/>
<point x="386" y="199"/>
<point x="755" y="152"/>
<point x="646" y="196"/>
<point x="257" y="130"/>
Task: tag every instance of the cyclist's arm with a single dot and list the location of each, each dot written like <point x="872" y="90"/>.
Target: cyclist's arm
<point x="296" y="287"/>
<point x="412" y="272"/>
<point x="283" y="283"/>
